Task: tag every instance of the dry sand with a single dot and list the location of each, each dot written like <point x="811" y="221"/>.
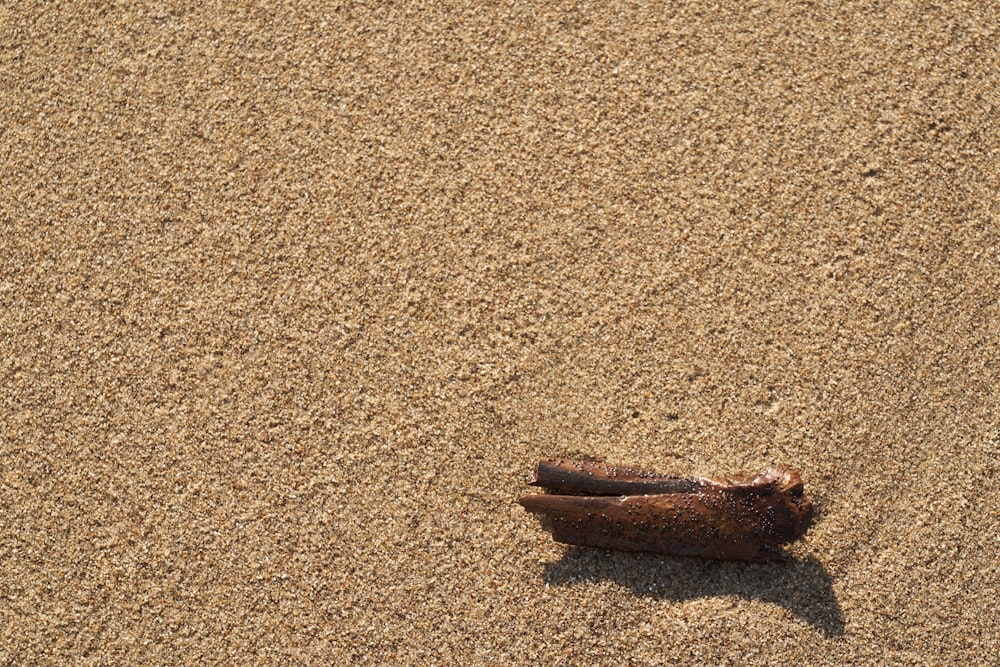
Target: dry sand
<point x="293" y="297"/>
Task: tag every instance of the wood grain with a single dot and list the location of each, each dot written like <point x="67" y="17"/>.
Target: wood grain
<point x="729" y="518"/>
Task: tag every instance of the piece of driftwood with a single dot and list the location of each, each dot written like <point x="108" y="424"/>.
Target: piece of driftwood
<point x="614" y="507"/>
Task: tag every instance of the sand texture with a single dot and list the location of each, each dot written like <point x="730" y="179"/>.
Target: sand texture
<point x="293" y="295"/>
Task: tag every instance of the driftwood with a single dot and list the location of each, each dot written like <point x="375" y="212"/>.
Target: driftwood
<point x="613" y="507"/>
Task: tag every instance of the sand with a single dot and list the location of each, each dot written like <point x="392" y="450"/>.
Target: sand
<point x="293" y="296"/>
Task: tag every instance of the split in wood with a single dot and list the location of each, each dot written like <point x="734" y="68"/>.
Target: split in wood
<point x="615" y="507"/>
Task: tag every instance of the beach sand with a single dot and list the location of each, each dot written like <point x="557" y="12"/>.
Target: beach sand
<point x="292" y="297"/>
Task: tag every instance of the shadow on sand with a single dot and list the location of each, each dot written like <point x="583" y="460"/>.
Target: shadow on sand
<point x="802" y="586"/>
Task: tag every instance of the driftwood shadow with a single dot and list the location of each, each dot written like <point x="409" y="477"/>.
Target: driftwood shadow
<point x="802" y="586"/>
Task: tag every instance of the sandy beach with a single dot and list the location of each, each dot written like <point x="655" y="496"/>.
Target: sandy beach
<point x="293" y="296"/>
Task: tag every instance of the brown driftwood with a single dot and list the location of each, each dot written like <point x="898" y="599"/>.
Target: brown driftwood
<point x="613" y="507"/>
